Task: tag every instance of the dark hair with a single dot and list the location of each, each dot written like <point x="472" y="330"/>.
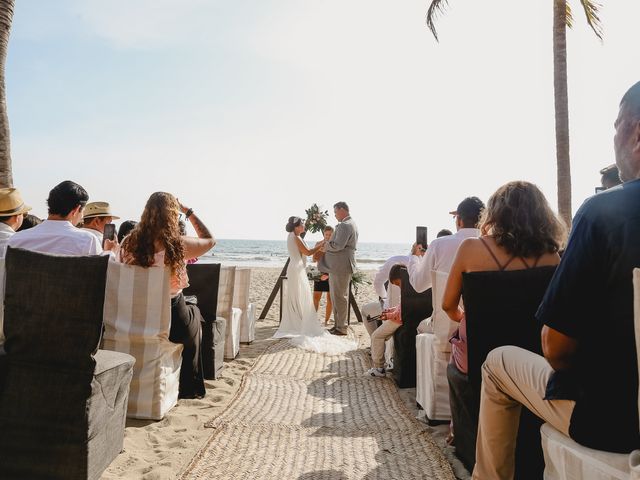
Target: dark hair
<point x="396" y="272"/>
<point x="293" y="223"/>
<point x="521" y="221"/>
<point x="469" y="211"/>
<point x="66" y="196"/>
<point x="328" y="228"/>
<point x="444" y="233"/>
<point x="610" y="176"/>
<point x="29" y="221"/>
<point x="342" y="205"/>
<point x="125" y="228"/>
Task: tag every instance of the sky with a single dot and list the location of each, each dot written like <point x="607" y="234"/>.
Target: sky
<point x="249" y="111"/>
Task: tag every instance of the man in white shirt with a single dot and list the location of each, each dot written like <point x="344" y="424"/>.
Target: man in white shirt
<point x="442" y="251"/>
<point x="58" y="234"/>
<point x="96" y="216"/>
<point x="12" y="210"/>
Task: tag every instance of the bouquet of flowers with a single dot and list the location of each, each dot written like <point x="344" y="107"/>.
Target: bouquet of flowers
<point x="313" y="273"/>
<point x="316" y="219"/>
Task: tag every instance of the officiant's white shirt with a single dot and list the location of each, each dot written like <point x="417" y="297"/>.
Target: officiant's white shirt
<point x="382" y="275"/>
<point x="439" y="258"/>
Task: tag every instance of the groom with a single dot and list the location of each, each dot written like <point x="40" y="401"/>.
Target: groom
<point x="339" y="262"/>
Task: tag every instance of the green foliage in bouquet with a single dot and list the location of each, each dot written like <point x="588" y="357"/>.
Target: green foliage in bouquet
<point x="316" y="219"/>
<point x="358" y="278"/>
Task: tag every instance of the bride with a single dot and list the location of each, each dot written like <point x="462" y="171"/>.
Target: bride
<point x="299" y="317"/>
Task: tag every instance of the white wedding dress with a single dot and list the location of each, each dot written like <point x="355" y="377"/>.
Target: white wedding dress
<point x="299" y="317"/>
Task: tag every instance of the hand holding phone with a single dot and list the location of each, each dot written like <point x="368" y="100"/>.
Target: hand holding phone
<point x="109" y="232"/>
<point x="421" y="237"/>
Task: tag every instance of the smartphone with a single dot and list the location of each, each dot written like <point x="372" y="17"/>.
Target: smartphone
<point x="421" y="236"/>
<point x="109" y="232"/>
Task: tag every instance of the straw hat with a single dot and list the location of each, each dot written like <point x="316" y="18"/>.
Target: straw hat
<point x="98" y="209"/>
<point x="11" y="202"/>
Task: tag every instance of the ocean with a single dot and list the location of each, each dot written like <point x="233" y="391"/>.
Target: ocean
<point x="273" y="253"/>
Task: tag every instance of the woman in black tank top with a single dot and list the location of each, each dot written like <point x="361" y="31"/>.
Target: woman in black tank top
<point x="518" y="231"/>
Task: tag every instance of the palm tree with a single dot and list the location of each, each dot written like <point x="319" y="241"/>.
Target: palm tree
<point x="562" y="18"/>
<point x="6" y="18"/>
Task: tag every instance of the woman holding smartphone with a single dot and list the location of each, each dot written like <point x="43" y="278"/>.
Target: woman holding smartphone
<point x="157" y="241"/>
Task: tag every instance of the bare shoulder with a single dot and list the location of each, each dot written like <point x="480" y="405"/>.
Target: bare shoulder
<point x="470" y="246"/>
<point x="549" y="260"/>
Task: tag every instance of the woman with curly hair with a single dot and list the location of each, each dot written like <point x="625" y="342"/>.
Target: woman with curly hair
<point x="156" y="241"/>
<point x="518" y="230"/>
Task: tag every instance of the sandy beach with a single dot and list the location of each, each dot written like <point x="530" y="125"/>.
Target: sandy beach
<point x="163" y="449"/>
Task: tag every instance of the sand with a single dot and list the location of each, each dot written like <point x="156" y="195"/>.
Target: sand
<point x="163" y="449"/>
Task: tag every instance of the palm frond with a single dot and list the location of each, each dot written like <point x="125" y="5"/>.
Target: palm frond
<point x="591" y="10"/>
<point x="436" y="8"/>
<point x="569" y="18"/>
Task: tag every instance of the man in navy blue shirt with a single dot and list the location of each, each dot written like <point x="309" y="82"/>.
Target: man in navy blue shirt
<point x="586" y="386"/>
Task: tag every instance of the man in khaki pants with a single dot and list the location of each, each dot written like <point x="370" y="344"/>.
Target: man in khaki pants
<point x="586" y="386"/>
<point x="392" y="321"/>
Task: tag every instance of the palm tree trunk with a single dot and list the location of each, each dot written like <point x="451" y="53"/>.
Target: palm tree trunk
<point x="561" y="100"/>
<point x="6" y="17"/>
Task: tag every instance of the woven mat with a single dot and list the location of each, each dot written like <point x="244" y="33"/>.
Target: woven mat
<point x="301" y="415"/>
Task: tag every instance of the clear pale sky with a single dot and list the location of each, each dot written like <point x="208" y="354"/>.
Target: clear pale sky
<point x="249" y="111"/>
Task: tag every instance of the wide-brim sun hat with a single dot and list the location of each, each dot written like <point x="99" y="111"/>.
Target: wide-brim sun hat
<point x="98" y="209"/>
<point x="11" y="203"/>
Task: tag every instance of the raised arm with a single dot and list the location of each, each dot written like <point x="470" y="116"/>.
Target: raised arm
<point x="419" y="269"/>
<point x="303" y="248"/>
<point x="194" y="247"/>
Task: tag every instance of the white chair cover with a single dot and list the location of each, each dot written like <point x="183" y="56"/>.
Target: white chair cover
<point x="226" y="287"/>
<point x="137" y="320"/>
<point x="432" y="355"/>
<point x="566" y="459"/>
<point x="442" y="326"/>
<point x="241" y="292"/>
<point x="432" y="387"/>
<point x="248" y="324"/>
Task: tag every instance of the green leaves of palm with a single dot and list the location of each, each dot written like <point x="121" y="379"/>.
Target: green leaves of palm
<point x="591" y="11"/>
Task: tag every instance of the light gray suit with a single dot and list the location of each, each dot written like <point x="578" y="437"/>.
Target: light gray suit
<point x="339" y="261"/>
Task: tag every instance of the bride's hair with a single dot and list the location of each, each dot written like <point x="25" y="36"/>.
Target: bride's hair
<point x="293" y="223"/>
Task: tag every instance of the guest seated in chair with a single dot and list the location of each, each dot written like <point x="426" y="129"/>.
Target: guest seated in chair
<point x="58" y="233"/>
<point x="125" y="229"/>
<point x="392" y="320"/>
<point x="13" y="212"/>
<point x="381" y="287"/>
<point x="96" y="216"/>
<point x="586" y="386"/>
<point x="518" y="232"/>
<point x="443" y="249"/>
<point x="156" y="241"/>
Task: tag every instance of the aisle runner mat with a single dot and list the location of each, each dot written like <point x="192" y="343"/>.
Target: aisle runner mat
<point x="302" y="415"/>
